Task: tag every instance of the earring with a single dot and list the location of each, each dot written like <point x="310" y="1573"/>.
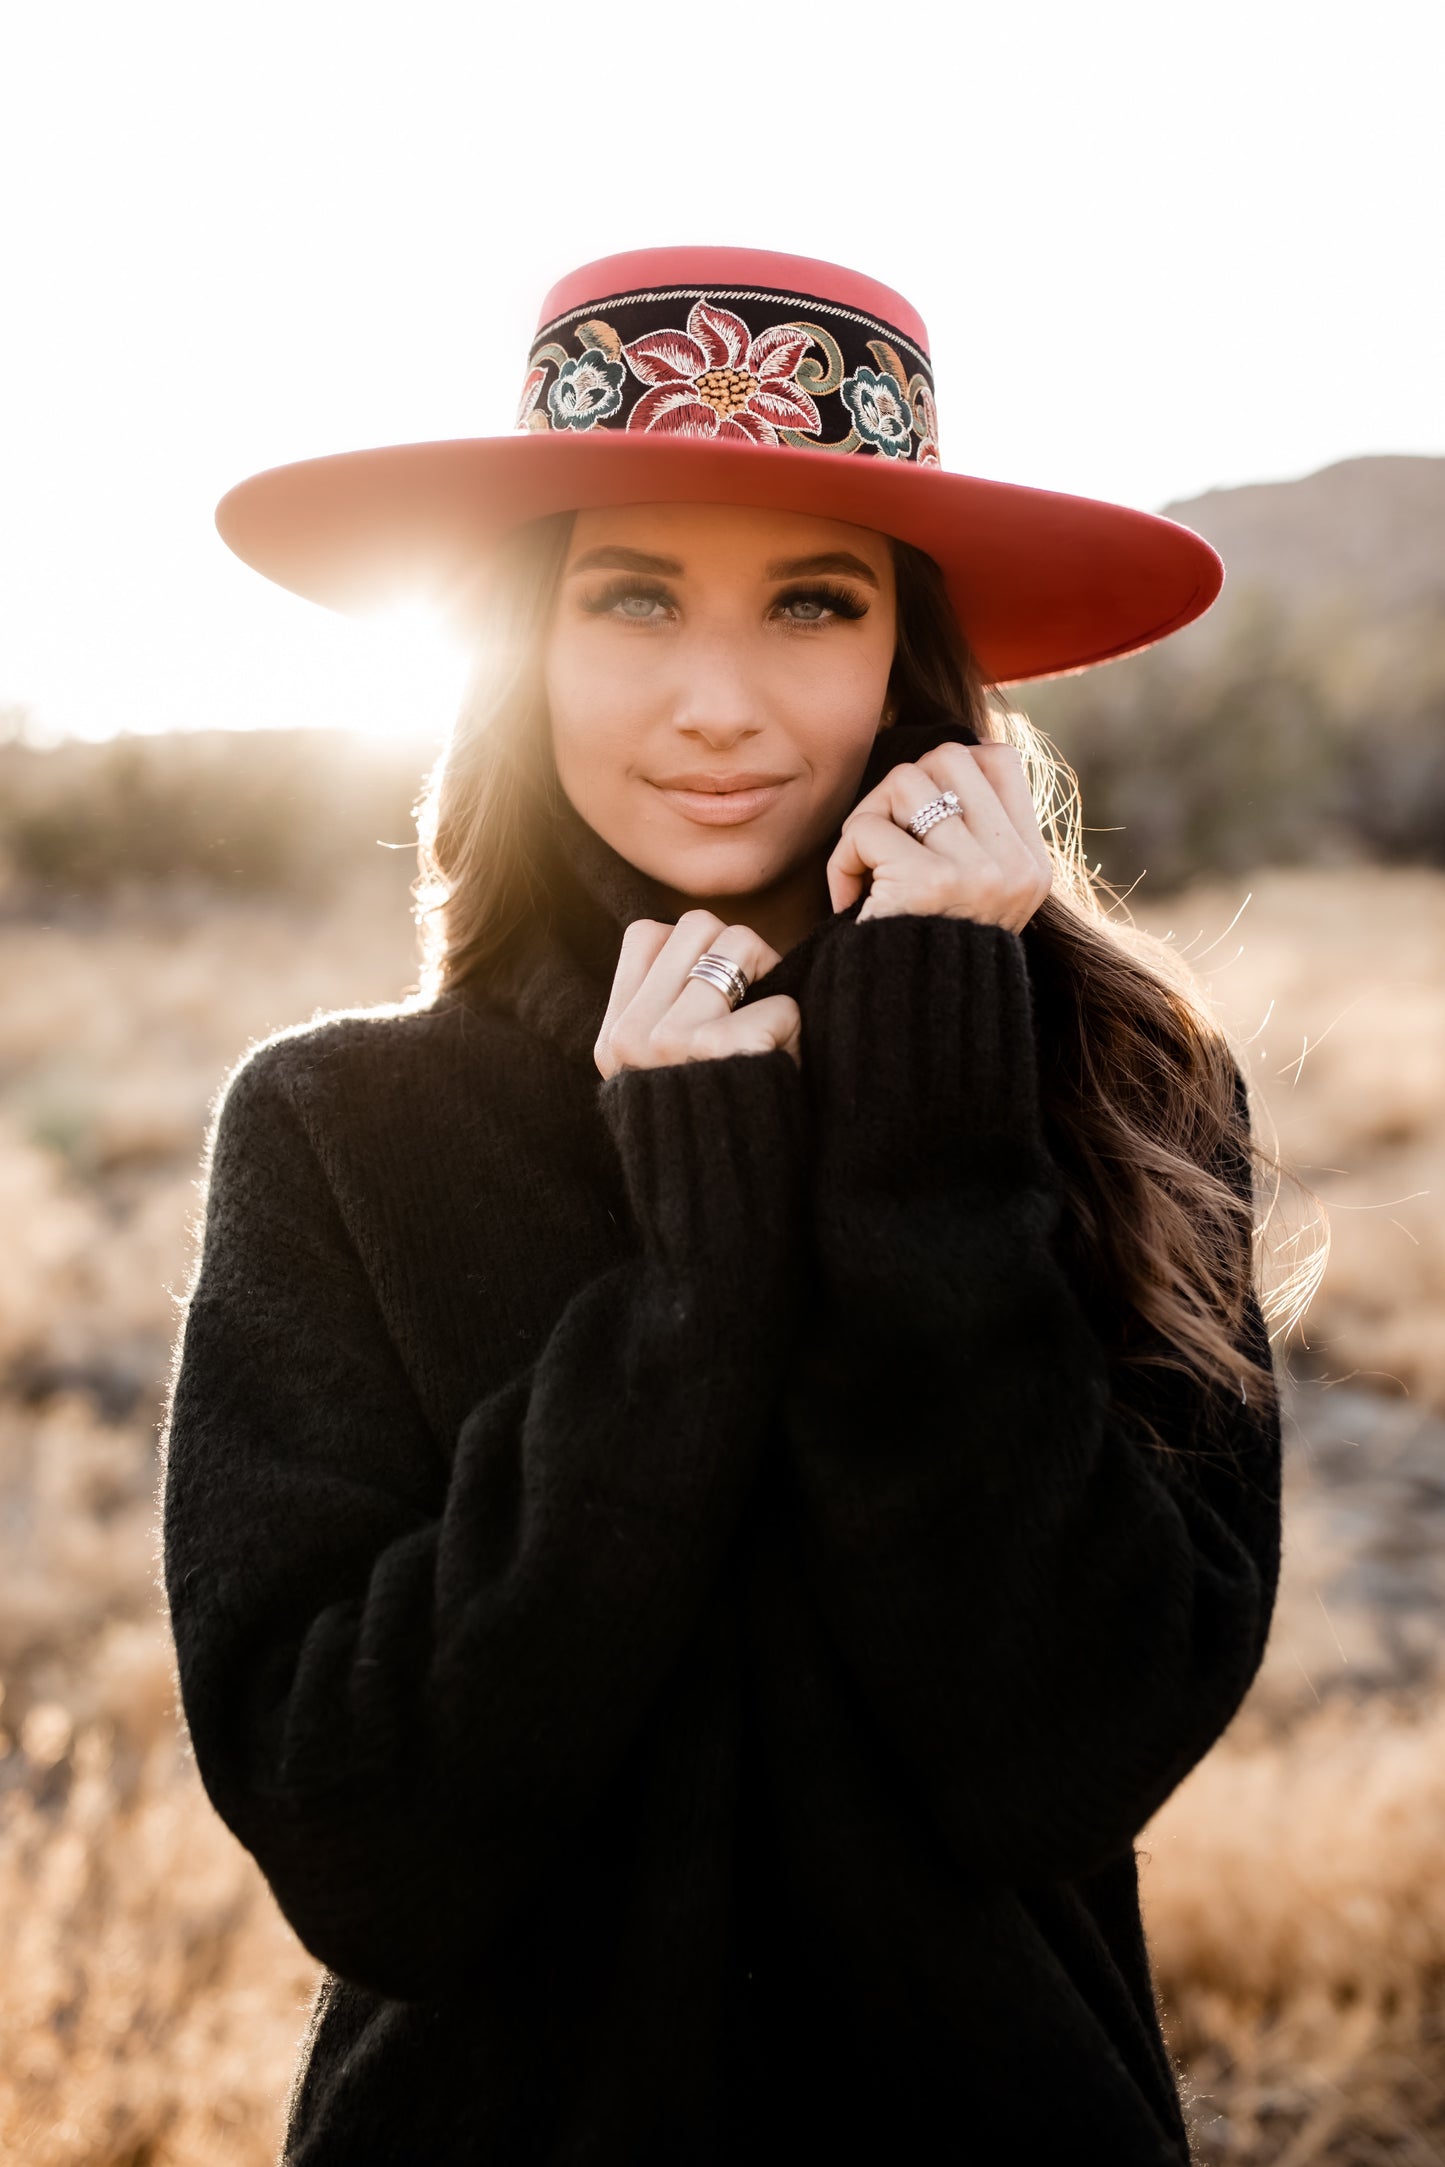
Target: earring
<point x="889" y="715"/>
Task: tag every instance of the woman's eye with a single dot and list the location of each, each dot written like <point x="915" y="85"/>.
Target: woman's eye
<point x="819" y="605"/>
<point x="634" y="605"/>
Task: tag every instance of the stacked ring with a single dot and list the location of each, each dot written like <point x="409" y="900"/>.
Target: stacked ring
<point x="722" y="972"/>
<point x="928" y="816"/>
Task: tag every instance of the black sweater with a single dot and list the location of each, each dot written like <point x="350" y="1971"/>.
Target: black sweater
<point x="661" y="1586"/>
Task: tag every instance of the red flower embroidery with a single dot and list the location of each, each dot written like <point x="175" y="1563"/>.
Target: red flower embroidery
<point x="715" y="379"/>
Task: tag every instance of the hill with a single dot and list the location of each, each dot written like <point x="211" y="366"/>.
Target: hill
<point x="1302" y="720"/>
<point x="1366" y="532"/>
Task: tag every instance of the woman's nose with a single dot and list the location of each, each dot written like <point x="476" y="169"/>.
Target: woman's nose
<point x="715" y="700"/>
<point x="720" y="735"/>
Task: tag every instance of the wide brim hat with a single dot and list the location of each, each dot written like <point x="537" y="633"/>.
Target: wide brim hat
<point x="729" y="376"/>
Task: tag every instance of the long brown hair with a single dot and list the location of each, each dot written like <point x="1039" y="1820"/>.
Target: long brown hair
<point x="1142" y="1095"/>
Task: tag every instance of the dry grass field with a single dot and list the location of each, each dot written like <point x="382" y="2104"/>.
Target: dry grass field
<point x="151" y="1998"/>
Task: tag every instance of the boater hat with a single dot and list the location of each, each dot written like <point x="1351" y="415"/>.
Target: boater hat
<point x="730" y="376"/>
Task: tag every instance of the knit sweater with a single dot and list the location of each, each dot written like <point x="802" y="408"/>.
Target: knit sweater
<point x="666" y="1583"/>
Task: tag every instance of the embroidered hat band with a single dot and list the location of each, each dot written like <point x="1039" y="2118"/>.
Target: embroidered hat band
<point x="739" y="366"/>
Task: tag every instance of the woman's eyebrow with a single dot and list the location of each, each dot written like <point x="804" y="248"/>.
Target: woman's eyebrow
<point x="832" y="560"/>
<point x="612" y="558"/>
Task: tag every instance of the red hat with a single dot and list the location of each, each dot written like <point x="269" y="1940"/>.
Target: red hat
<point x="731" y="376"/>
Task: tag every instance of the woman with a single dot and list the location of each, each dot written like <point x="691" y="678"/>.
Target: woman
<point x="722" y="1461"/>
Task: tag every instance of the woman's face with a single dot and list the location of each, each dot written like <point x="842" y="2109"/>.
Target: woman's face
<point x="716" y="676"/>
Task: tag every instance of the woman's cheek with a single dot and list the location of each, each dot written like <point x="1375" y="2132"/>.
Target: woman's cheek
<point x="596" y="699"/>
<point x="835" y="701"/>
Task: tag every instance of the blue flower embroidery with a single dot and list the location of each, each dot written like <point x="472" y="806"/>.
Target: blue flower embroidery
<point x="587" y="390"/>
<point x="880" y="411"/>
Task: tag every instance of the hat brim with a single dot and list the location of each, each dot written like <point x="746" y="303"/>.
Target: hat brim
<point x="1043" y="582"/>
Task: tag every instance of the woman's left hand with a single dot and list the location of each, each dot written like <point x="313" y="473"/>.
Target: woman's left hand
<point x="989" y="862"/>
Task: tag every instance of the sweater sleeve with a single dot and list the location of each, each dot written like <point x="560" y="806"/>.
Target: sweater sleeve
<point x="1050" y="1620"/>
<point x="405" y="1683"/>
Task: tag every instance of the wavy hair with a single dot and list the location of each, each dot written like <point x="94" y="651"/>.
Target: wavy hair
<point x="1142" y="1094"/>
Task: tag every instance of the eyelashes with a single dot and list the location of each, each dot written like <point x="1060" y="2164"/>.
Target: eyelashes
<point x="626" y="589"/>
<point x="842" y="601"/>
<point x="835" y="600"/>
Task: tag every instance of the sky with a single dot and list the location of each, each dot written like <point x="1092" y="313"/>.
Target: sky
<point x="1159" y="250"/>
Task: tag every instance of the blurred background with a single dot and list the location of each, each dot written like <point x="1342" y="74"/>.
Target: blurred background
<point x="1187" y="261"/>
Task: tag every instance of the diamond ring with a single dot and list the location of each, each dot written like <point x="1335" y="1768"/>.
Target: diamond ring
<point x="928" y="816"/>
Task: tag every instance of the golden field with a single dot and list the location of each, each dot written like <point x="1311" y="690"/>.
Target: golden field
<point x="151" y="1998"/>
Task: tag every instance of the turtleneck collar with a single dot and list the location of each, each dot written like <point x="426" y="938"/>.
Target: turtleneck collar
<point x="559" y="982"/>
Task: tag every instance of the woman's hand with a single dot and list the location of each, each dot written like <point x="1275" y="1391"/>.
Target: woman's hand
<point x="991" y="864"/>
<point x="657" y="1014"/>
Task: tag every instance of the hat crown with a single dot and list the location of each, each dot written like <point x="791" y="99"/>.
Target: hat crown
<point x="635" y="270"/>
<point x="743" y="347"/>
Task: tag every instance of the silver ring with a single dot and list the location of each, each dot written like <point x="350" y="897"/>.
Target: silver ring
<point x="722" y="972"/>
<point x="928" y="816"/>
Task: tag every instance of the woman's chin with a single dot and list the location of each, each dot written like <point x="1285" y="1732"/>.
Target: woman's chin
<point x="710" y="871"/>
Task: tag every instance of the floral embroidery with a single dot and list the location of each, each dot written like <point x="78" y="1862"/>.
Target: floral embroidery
<point x="925" y="422"/>
<point x="531" y="393"/>
<point x="814" y="376"/>
<point x="880" y="411"/>
<point x="587" y="390"/>
<point x="716" y="379"/>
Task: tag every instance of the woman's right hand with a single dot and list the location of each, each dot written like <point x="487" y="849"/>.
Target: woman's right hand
<point x="657" y="1014"/>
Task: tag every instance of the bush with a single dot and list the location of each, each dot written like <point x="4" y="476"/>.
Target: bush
<point x="1273" y="739"/>
<point x="241" y="811"/>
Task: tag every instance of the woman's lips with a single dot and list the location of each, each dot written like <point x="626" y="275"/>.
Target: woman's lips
<point x="721" y="808"/>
